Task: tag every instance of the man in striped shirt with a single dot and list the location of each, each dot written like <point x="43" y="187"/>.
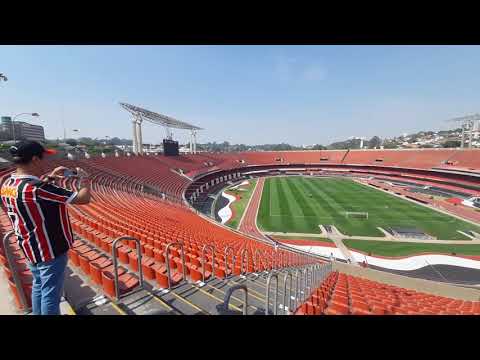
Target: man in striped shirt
<point x="39" y="216"/>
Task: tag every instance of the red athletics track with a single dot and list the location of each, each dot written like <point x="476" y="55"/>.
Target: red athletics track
<point x="249" y="225"/>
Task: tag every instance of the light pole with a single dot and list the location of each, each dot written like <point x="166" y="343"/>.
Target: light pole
<point x="16" y="116"/>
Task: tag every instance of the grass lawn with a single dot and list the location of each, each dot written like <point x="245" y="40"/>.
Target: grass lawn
<point x="240" y="205"/>
<point x="406" y="249"/>
<point x="310" y="238"/>
<point x="300" y="204"/>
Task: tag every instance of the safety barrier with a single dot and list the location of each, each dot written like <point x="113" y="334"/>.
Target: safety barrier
<point x="16" y="278"/>
<point x="286" y="308"/>
<point x="115" y="262"/>
<point x="205" y="247"/>
<point x="274" y="275"/>
<point x="244" y="270"/>
<point x="307" y="279"/>
<point x="167" y="262"/>
<point x="229" y="250"/>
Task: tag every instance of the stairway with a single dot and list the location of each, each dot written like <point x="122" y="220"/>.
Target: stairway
<point x="186" y="298"/>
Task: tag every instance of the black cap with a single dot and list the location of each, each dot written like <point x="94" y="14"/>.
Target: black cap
<point x="24" y="151"/>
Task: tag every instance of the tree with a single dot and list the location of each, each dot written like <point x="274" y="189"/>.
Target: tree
<point x="319" y="147"/>
<point x="451" y="144"/>
<point x="389" y="145"/>
<point x="72" y="142"/>
<point x="374" y="142"/>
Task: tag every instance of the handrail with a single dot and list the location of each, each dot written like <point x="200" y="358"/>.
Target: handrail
<point x="274" y="275"/>
<point x="286" y="309"/>
<point x="297" y="287"/>
<point x="203" y="260"/>
<point x="167" y="262"/>
<point x="275" y="259"/>
<point x="256" y="260"/>
<point x="115" y="262"/>
<point x="308" y="282"/>
<point x="301" y="289"/>
<point x="242" y="257"/>
<point x="11" y="264"/>
<point x="229" y="294"/>
<point x="232" y="250"/>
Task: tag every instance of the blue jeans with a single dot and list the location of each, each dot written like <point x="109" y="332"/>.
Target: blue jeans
<point x="47" y="287"/>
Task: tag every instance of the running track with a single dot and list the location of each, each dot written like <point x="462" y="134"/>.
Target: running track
<point x="249" y="224"/>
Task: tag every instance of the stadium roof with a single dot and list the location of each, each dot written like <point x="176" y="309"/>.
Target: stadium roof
<point x="158" y="119"/>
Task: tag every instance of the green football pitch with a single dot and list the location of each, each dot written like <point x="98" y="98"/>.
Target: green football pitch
<point x="300" y="204"/>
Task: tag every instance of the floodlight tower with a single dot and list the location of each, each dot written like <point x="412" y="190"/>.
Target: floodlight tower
<point x="140" y="114"/>
<point x="361" y="141"/>
<point x="139" y="135"/>
<point x="469" y="122"/>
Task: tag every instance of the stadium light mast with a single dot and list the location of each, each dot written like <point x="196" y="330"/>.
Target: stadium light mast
<point x="140" y="114"/>
<point x="469" y="122"/>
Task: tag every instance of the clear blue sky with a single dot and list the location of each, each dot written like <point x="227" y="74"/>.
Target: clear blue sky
<point x="244" y="94"/>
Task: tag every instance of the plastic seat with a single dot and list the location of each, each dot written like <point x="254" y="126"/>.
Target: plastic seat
<point x="96" y="267"/>
<point x="336" y="309"/>
<point x="126" y="283"/>
<point x="85" y="260"/>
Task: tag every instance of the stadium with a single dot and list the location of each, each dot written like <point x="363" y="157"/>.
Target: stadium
<point x="329" y="232"/>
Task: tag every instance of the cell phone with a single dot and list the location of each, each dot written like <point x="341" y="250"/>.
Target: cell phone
<point x="70" y="173"/>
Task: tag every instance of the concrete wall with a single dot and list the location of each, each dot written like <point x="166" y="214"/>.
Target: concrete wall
<point x="426" y="286"/>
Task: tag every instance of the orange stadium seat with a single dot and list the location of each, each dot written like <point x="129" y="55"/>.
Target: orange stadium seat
<point x="120" y="207"/>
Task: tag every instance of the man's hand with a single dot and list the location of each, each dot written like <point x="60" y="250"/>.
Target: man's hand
<point x="81" y="173"/>
<point x="58" y="172"/>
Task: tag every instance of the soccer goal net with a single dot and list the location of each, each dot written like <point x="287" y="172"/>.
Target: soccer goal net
<point x="356" y="214"/>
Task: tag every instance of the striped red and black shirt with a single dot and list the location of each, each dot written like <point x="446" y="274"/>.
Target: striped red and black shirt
<point x="39" y="216"/>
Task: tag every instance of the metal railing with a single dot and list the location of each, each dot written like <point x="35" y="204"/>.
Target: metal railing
<point x="242" y="258"/>
<point x="306" y="279"/>
<point x="167" y="262"/>
<point x="286" y="309"/>
<point x="297" y="288"/>
<point x="308" y="287"/>
<point x="274" y="275"/>
<point x="115" y="262"/>
<point x="15" y="276"/>
<point x="228" y="250"/>
<point x="205" y="247"/>
<point x="257" y="262"/>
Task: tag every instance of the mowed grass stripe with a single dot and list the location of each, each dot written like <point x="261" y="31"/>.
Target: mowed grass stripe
<point x="264" y="217"/>
<point x="348" y="226"/>
<point x="293" y="210"/>
<point x="283" y="207"/>
<point x="399" y="213"/>
<point x="407" y="213"/>
<point x="263" y="210"/>
<point x="300" y="202"/>
<point x="400" y="206"/>
<point x="384" y="248"/>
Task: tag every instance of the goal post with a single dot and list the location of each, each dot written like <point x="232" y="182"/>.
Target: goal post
<point x="356" y="214"/>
